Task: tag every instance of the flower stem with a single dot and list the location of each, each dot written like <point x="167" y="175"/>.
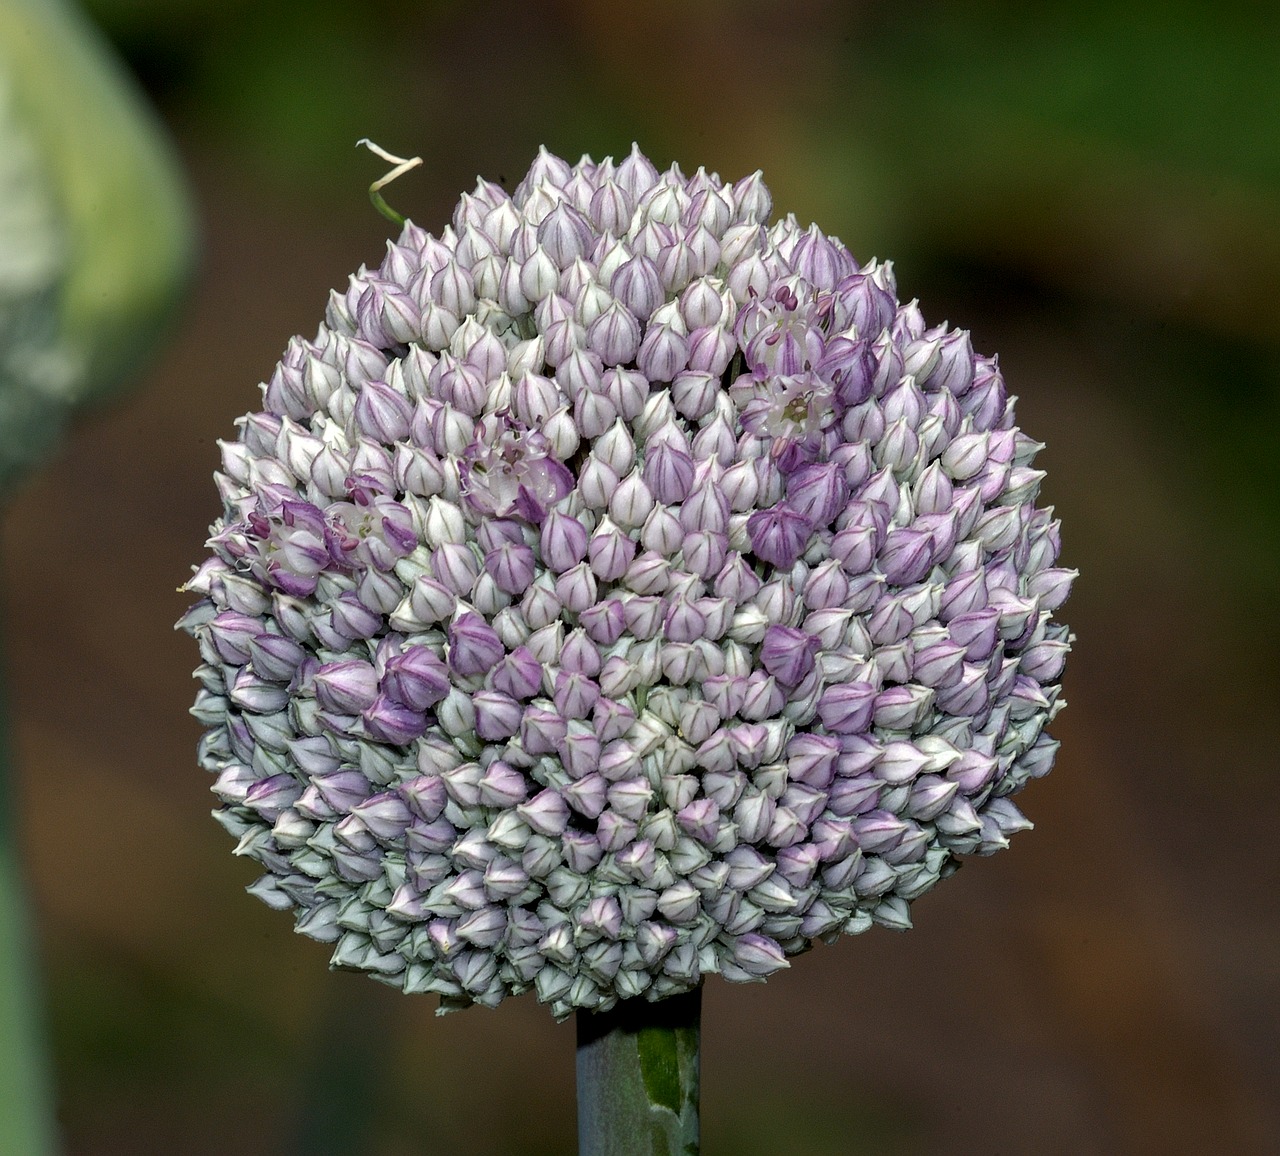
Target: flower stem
<point x="26" y="1115"/>
<point x="638" y="1078"/>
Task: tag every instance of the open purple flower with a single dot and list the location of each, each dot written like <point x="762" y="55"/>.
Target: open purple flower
<point x="509" y="469"/>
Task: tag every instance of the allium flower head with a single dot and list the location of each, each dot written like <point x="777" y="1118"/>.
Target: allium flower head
<point x="618" y="590"/>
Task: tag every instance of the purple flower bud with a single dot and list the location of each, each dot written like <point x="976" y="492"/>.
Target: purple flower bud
<point x="669" y="473"/>
<point x="764" y="698"/>
<point x="648" y="574"/>
<point x="900" y="763"/>
<point x="542" y="731"/>
<point x="1050" y="587"/>
<point x="758" y="955"/>
<point x="867" y="305"/>
<point x="339" y="790"/>
<point x="593" y="413"/>
<point x="930" y="797"/>
<point x="233" y="634"/>
<point x="460" y="386"/>
<point x="565" y="235"/>
<point x="821" y="261"/>
<point x="788" y="654"/>
<point x="345" y="687"/>
<point x="847" y="709"/>
<point x="547" y="812"/>
<point x="271" y="796"/>
<point x="878" y="831"/>
<point x="498" y="715"/>
<point x="500" y="786"/>
<point x="579" y="654"/>
<point x="976" y="632"/>
<point x="631" y="502"/>
<point x="612" y="719"/>
<point x="511" y="567"/>
<point x="576" y="588"/>
<point x="615" y="335"/>
<point x="389" y="721"/>
<point x="415" y="678"/>
<point x="424" y="796"/>
<point x="711" y="349"/>
<point x="602" y="917"/>
<point x="586" y="795"/>
<point x="614" y="831"/>
<point x="680" y="663"/>
<point x="694" y="394"/>
<point x="604" y="622"/>
<point x="683" y="622"/>
<point x="630" y="798"/>
<point x="751" y="198"/>
<point x="906" y="556"/>
<point x="474" y="646"/>
<point x="637" y="286"/>
<point x="662" y="533"/>
<point x="579" y="373"/>
<point x="627" y="390"/>
<point x="817" y="492"/>
<point x="535" y="399"/>
<point x="381" y="413"/>
<point x="663" y="353"/>
<point x="901" y="708"/>
<point x="966" y="455"/>
<point x="643" y="616"/>
<point x="455" y="567"/>
<point x="938" y="665"/>
<point x="716" y="440"/>
<point x="618" y="677"/>
<point x="430" y="601"/>
<point x="351" y="619"/>
<point x="539" y="276"/>
<point x="563" y="542"/>
<point x="954" y="369"/>
<point x="580" y="750"/>
<point x="778" y="535"/>
<point x="518" y="674"/>
<point x="968" y="696"/>
<point x="575" y="695"/>
<point x="582" y="850"/>
<point x="1043" y="662"/>
<point x="701" y="819"/>
<point x="610" y="208"/>
<point x="704" y="554"/>
<point x="812" y="758"/>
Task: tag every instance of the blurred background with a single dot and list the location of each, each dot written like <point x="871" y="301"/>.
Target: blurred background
<point x="1093" y="189"/>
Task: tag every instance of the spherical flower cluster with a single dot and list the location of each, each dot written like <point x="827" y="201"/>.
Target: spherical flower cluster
<point x="620" y="590"/>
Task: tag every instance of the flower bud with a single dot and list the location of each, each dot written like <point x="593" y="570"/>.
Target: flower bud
<point x="345" y="687"/>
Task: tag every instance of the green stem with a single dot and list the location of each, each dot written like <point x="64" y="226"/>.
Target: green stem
<point x="638" y="1078"/>
<point x="26" y="1114"/>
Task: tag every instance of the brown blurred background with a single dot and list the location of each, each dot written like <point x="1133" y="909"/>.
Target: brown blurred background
<point x="1094" y="189"/>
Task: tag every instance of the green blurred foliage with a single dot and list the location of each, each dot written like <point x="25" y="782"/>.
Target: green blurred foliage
<point x="277" y="83"/>
<point x="763" y="1125"/>
<point x="95" y="249"/>
<point x="1187" y="84"/>
<point x="102" y="245"/>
